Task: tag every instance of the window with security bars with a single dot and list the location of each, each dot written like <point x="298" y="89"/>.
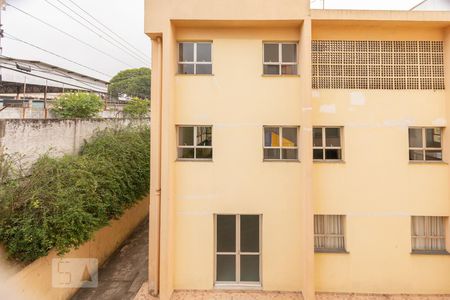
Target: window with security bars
<point x="428" y="234"/>
<point x="387" y="65"/>
<point x="329" y="233"/>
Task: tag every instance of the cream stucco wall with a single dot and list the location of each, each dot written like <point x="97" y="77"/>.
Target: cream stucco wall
<point x="375" y="187"/>
<point x="237" y="181"/>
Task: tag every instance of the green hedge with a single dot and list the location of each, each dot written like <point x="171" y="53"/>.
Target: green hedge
<point x="63" y="201"/>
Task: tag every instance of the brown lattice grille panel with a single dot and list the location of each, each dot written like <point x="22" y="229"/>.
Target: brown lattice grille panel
<point x="387" y="65"/>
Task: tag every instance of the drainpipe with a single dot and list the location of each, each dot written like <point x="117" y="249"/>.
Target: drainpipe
<point x="446" y="139"/>
<point x="155" y="176"/>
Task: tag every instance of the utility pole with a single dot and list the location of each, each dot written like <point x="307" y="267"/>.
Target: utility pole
<point x="2" y="8"/>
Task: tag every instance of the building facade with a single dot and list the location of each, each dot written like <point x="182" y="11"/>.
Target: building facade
<point x="298" y="150"/>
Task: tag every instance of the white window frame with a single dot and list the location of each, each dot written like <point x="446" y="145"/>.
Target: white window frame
<point x="280" y="62"/>
<point x="280" y="128"/>
<point x="237" y="254"/>
<point x="424" y="147"/>
<point x="428" y="237"/>
<point x="194" y="146"/>
<point x="342" y="219"/>
<point x="324" y="146"/>
<point x="194" y="62"/>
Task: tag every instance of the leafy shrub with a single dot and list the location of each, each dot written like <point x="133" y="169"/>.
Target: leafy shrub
<point x="77" y="105"/>
<point x="65" y="200"/>
<point x="137" y="108"/>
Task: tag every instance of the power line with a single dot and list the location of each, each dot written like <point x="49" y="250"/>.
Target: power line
<point x="54" y="80"/>
<point x="51" y="72"/>
<point x="69" y="35"/>
<point x="96" y="33"/>
<point x="107" y="28"/>
<point x="418" y="4"/>
<point x="11" y="37"/>
<point x="136" y="51"/>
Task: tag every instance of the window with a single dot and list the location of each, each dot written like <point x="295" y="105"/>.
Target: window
<point x="195" y="142"/>
<point x="280" y="59"/>
<point x="428" y="234"/>
<point x="194" y="58"/>
<point x="327" y="143"/>
<point x="238" y="249"/>
<point x="425" y="144"/>
<point x="329" y="233"/>
<point x="280" y="143"/>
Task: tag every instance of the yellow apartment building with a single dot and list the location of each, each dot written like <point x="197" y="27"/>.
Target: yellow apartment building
<point x="298" y="150"/>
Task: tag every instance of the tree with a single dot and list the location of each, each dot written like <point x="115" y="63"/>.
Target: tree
<point x="132" y="82"/>
<point x="137" y="108"/>
<point x="77" y="105"/>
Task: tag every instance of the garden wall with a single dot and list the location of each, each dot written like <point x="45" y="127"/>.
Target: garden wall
<point x="39" y="113"/>
<point x="34" y="137"/>
<point x="35" y="280"/>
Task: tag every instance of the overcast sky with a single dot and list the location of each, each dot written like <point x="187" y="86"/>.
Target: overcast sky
<point x="124" y="17"/>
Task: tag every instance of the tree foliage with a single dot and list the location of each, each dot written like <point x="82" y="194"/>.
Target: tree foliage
<point x="77" y="105"/>
<point x="136" y="108"/>
<point x="63" y="201"/>
<point x="132" y="82"/>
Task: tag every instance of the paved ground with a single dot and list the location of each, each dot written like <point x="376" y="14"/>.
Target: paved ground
<point x="255" y="295"/>
<point x="222" y="295"/>
<point x="123" y="274"/>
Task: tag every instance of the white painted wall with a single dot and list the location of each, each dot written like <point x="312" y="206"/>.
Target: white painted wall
<point x="34" y="137"/>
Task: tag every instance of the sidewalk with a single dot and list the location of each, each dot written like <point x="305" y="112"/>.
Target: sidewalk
<point x="125" y="271"/>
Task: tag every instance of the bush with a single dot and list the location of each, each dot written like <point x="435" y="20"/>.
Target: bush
<point x="77" y="105"/>
<point x="65" y="200"/>
<point x="136" y="108"/>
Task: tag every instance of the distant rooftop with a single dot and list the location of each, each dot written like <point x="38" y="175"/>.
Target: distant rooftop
<point x="397" y="5"/>
<point x="36" y="75"/>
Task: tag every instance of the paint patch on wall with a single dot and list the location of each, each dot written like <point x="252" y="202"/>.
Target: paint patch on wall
<point x="441" y="122"/>
<point x="398" y="123"/>
<point x="357" y="99"/>
<point x="328" y="108"/>
<point x="315" y="94"/>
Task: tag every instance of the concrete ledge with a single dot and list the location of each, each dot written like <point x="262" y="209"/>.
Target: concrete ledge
<point x="35" y="280"/>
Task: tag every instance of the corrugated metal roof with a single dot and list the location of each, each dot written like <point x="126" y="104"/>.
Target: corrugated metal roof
<point x="16" y="71"/>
